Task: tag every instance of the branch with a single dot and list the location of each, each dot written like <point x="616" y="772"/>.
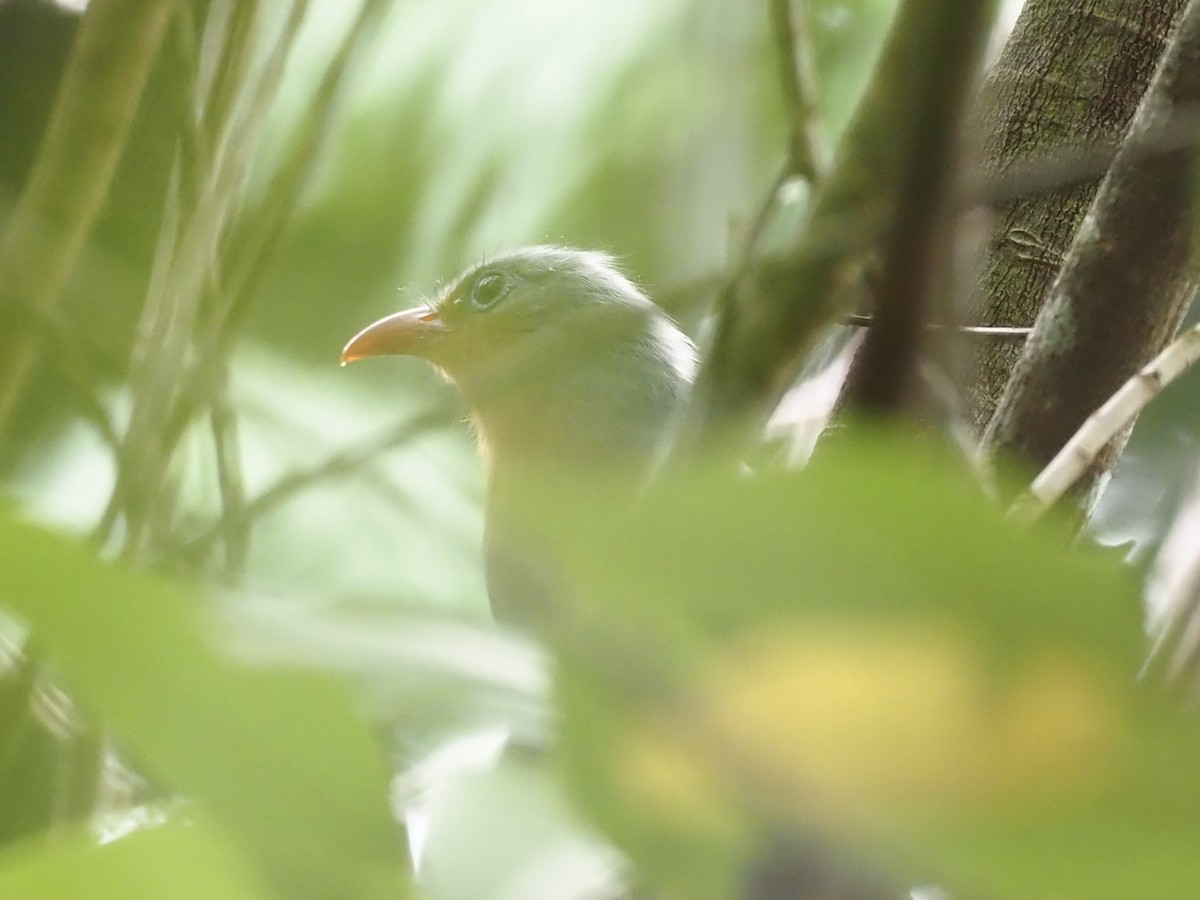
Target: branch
<point x="340" y="464"/>
<point x="235" y="533"/>
<point x="806" y="153"/>
<point x="772" y="313"/>
<point x="916" y="261"/>
<point x="1084" y="448"/>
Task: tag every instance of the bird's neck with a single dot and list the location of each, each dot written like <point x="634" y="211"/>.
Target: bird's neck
<point x="607" y="411"/>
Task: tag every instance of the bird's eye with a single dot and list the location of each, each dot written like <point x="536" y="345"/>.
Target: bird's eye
<point x="488" y="290"/>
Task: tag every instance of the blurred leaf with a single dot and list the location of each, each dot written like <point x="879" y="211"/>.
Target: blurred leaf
<point x="168" y="862"/>
<point x="280" y="756"/>
<point x="846" y="36"/>
<point x="866" y="654"/>
<point x="423" y="675"/>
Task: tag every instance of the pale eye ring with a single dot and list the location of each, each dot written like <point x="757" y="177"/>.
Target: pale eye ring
<point x="488" y="290"/>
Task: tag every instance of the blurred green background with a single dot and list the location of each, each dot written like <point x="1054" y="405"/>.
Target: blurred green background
<point x="648" y="130"/>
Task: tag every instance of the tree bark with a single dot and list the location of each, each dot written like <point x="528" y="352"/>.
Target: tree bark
<point x="1069" y="79"/>
<point x="1128" y="278"/>
<point x="770" y="314"/>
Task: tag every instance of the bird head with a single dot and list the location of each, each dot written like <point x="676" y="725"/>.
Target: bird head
<point x="556" y="352"/>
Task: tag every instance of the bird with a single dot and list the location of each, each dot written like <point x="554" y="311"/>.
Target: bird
<point x="568" y="370"/>
<point x="571" y="371"/>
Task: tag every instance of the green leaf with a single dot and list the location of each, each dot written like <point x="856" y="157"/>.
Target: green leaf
<point x="279" y="756"/>
<point x="179" y="862"/>
<point x="868" y="655"/>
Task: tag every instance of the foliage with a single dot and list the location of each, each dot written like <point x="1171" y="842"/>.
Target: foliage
<point x="897" y="670"/>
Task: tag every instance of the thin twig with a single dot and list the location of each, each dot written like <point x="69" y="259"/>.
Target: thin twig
<point x="123" y="498"/>
<point x="340" y="464"/>
<point x="807" y="157"/>
<point x="682" y="298"/>
<point x="205" y="176"/>
<point x="758" y="226"/>
<point x="997" y="332"/>
<point x="226" y="445"/>
<point x="1081" y="451"/>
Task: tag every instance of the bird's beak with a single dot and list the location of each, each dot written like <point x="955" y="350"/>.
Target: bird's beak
<point x="406" y="333"/>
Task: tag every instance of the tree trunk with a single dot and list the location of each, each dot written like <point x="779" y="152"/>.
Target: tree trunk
<point x="1069" y="78"/>
<point x="1128" y="278"/>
